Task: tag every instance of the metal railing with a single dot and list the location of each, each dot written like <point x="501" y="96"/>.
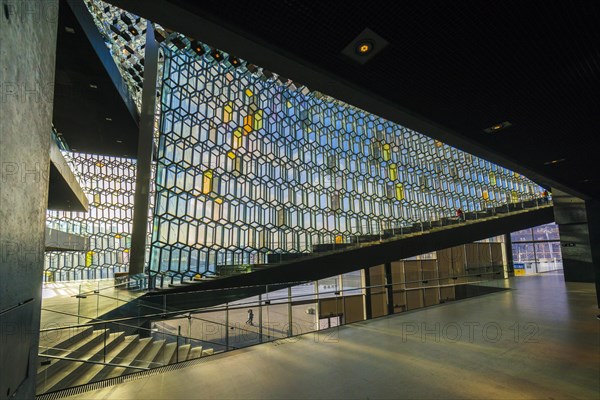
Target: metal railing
<point x="337" y="243"/>
<point x="280" y="314"/>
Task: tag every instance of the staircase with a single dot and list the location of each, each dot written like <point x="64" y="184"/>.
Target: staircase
<point x="77" y="356"/>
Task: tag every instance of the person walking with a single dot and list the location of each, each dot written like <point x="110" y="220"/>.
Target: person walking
<point x="250" y="317"/>
<point x="459" y="214"/>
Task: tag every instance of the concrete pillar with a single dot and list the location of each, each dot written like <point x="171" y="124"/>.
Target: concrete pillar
<point x="27" y="61"/>
<point x="579" y="226"/>
<point x="510" y="264"/>
<point x="141" y="198"/>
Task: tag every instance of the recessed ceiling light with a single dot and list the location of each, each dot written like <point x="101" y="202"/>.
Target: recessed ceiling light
<point x="497" y="127"/>
<point x="93" y="86"/>
<point x="552" y="162"/>
<point x="108" y="118"/>
<point x="119" y="141"/>
<point x="69" y="29"/>
<point x="365" y="46"/>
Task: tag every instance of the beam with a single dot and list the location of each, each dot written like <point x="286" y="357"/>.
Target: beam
<point x="97" y="41"/>
<point x="64" y="193"/>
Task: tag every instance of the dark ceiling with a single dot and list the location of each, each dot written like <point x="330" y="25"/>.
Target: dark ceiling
<point x="463" y="66"/>
<point x="81" y="111"/>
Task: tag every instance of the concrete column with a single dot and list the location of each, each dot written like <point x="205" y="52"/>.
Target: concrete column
<point x="579" y="226"/>
<point x="389" y="288"/>
<point x="27" y="61"/>
<point x="510" y="263"/>
<point x="368" y="300"/>
<point x="144" y="157"/>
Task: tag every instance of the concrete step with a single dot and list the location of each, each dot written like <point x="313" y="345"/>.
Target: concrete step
<point x="183" y="352"/>
<point x="146" y="359"/>
<point x="195" y="352"/>
<point x="166" y="356"/>
<point x="54" y="342"/>
<point x="115" y="356"/>
<point x="73" y="348"/>
<point x="208" y="352"/>
<point x="63" y="377"/>
<point x="128" y="358"/>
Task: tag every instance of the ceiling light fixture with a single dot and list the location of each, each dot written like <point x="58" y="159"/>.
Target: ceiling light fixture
<point x="197" y="48"/>
<point x="216" y="54"/>
<point x="69" y="29"/>
<point x="365" y="46"/>
<point x="552" y="162"/>
<point x="108" y="118"/>
<point x="93" y="86"/>
<point x="119" y="141"/>
<point x="497" y="127"/>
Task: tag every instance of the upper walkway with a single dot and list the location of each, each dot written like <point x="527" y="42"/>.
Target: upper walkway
<point x="537" y="340"/>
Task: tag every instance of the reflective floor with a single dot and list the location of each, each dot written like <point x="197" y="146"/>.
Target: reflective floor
<point x="539" y="340"/>
<point x="62" y="308"/>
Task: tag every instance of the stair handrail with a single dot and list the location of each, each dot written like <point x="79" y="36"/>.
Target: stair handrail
<point x="181" y="312"/>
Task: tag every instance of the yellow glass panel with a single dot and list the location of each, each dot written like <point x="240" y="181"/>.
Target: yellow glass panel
<point x="258" y="123"/>
<point x="514" y="197"/>
<point x="117" y="236"/>
<point x="89" y="257"/>
<point x="438" y="143"/>
<point x="219" y="200"/>
<point x="247" y="124"/>
<point x="399" y="191"/>
<point x="339" y="239"/>
<point x="126" y="251"/>
<point x="393" y="171"/>
<point x="485" y="195"/>
<point x="227" y="112"/>
<point x="237" y="138"/>
<point x="288" y="104"/>
<point x="231" y="155"/>
<point x="249" y="93"/>
<point x="387" y="152"/>
<point x="492" y="178"/>
<point x="207" y="182"/>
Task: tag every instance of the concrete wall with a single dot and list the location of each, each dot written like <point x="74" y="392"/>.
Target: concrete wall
<point x="578" y="223"/>
<point x="27" y="60"/>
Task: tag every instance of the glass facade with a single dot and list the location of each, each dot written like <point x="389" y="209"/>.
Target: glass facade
<point x="537" y="249"/>
<point x="250" y="163"/>
<point x="108" y="183"/>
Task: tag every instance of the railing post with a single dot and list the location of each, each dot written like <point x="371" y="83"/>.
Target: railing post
<point x="104" y="349"/>
<point x="177" y="346"/>
<point x="79" y="305"/>
<point x="290" y="321"/>
<point x="98" y="301"/>
<point x="226" y="326"/>
<point x="260" y="324"/>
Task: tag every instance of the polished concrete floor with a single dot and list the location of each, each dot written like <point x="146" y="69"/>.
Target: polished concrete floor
<point x="539" y="340"/>
<point x="61" y="307"/>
